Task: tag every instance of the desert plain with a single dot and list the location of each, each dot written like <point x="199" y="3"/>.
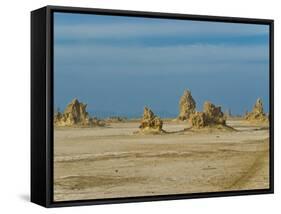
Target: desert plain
<point x="114" y="161"/>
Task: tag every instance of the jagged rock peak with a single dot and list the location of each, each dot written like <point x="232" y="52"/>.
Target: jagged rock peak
<point x="258" y="107"/>
<point x="257" y="114"/>
<point x="187" y="106"/>
<point x="75" y="114"/>
<point x="150" y="122"/>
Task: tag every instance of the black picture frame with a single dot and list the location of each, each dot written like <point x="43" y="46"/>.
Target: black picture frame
<point x="42" y="105"/>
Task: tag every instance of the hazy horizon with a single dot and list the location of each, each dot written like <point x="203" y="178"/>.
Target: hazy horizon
<point x="118" y="65"/>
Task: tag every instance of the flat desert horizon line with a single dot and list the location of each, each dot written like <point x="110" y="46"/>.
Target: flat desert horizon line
<point x="133" y="115"/>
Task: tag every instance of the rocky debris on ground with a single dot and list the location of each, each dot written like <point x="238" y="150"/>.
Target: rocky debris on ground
<point x="187" y="106"/>
<point x="116" y="119"/>
<point x="98" y="122"/>
<point x="150" y="122"/>
<point x="75" y="114"/>
<point x="211" y="116"/>
<point x="257" y="114"/>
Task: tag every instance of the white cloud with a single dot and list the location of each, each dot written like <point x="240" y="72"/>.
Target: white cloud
<point x="156" y="28"/>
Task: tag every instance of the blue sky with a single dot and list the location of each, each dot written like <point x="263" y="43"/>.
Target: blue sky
<point x="118" y="65"/>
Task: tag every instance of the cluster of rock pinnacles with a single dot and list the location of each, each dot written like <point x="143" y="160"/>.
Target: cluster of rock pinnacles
<point x="75" y="114"/>
<point x="211" y="116"/>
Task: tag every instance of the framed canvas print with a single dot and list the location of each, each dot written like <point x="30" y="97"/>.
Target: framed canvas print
<point x="131" y="106"/>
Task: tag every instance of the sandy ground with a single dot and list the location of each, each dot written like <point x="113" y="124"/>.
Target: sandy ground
<point x="110" y="162"/>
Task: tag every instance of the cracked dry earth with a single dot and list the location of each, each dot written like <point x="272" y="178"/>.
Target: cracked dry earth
<point x="110" y="162"/>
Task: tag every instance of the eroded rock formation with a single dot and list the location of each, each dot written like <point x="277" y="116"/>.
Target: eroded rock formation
<point x="150" y="122"/>
<point x="187" y="106"/>
<point x="210" y="117"/>
<point x="198" y="120"/>
<point x="75" y="114"/>
<point x="257" y="114"/>
<point x="214" y="114"/>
